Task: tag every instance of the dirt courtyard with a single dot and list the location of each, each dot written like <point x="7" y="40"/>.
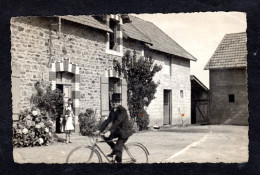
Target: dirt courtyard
<point x="208" y="143"/>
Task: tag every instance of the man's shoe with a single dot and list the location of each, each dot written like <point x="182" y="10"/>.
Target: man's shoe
<point x="118" y="159"/>
<point x="111" y="154"/>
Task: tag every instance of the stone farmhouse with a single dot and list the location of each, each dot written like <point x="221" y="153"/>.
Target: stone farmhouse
<point x="228" y="81"/>
<point x="76" y="53"/>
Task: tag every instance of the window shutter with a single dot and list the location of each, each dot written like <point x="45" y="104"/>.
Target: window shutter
<point x="15" y="92"/>
<point x="124" y="93"/>
<point x="104" y="96"/>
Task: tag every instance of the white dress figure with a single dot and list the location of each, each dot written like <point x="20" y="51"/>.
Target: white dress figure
<point x="69" y="120"/>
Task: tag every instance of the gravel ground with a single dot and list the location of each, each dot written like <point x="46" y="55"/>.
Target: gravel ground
<point x="208" y="143"/>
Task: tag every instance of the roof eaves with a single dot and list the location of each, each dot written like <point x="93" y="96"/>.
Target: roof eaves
<point x="193" y="77"/>
<point x="172" y="53"/>
<point x="226" y="67"/>
<point x="73" y="19"/>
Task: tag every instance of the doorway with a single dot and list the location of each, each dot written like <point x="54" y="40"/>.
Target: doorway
<point x="167" y="107"/>
<point x="64" y="84"/>
<point x="66" y="90"/>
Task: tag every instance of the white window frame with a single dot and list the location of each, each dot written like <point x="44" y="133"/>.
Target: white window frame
<point x="114" y="52"/>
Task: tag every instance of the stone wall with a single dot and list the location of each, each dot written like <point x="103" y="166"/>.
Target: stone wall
<point x="132" y="45"/>
<point x="176" y="80"/>
<point x="225" y="82"/>
<point x="35" y="41"/>
<point x="30" y="53"/>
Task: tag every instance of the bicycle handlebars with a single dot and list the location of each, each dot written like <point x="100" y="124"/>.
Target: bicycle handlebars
<point x="95" y="137"/>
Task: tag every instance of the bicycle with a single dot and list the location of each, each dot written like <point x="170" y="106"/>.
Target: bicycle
<point x="133" y="152"/>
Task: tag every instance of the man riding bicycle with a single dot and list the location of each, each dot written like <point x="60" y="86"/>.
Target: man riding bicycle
<point x="121" y="127"/>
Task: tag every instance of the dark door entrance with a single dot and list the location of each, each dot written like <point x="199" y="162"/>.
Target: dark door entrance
<point x="167" y="107"/>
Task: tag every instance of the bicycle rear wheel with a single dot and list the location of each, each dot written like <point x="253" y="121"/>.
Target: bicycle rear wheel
<point x="134" y="153"/>
<point x="84" y="154"/>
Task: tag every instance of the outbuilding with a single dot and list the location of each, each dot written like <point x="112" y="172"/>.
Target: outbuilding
<point x="228" y="81"/>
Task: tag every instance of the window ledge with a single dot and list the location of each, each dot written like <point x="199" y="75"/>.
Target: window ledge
<point x="113" y="52"/>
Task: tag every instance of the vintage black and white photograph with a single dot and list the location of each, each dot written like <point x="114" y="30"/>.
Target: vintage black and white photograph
<point x="130" y="88"/>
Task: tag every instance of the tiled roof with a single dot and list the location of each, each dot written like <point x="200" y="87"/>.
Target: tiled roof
<point x="132" y="32"/>
<point x="140" y="30"/>
<point x="88" y="21"/>
<point x="148" y="32"/>
<point x="231" y="52"/>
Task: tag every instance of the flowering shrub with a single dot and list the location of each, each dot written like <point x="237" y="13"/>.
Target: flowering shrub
<point x="33" y="129"/>
<point x="88" y="123"/>
<point x="47" y="99"/>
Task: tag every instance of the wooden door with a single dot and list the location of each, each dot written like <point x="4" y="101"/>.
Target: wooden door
<point x="67" y="93"/>
<point x="167" y="107"/>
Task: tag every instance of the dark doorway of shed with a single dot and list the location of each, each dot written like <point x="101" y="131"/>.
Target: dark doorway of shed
<point x="193" y="113"/>
<point x="167" y="107"/>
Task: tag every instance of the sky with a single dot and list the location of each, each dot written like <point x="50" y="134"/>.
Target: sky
<point x="198" y="33"/>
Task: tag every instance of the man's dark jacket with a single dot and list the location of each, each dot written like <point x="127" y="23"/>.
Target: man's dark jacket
<point x="121" y="125"/>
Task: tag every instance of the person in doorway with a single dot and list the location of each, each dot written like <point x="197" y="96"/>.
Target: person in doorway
<point x="63" y="118"/>
<point x="62" y="122"/>
<point x="121" y="127"/>
<point x="69" y="125"/>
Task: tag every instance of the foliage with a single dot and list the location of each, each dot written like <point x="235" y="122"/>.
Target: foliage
<point x="47" y="99"/>
<point x="141" y="88"/>
<point x="88" y="123"/>
<point x="135" y="127"/>
<point x="32" y="129"/>
<point x="142" y="120"/>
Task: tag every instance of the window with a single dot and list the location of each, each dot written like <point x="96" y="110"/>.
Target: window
<point x="114" y="87"/>
<point x="115" y="39"/>
<point x="231" y="98"/>
<point x="181" y="93"/>
<point x="113" y="36"/>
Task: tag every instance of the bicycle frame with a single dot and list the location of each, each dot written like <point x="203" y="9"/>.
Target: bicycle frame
<point x="96" y="147"/>
<point x="130" y="155"/>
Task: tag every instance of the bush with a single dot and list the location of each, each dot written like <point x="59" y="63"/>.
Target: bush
<point x="47" y="99"/>
<point x="88" y="123"/>
<point x="142" y="120"/>
<point x="32" y="129"/>
<point x="135" y="127"/>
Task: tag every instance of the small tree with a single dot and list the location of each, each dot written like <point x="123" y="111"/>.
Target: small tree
<point x="141" y="88"/>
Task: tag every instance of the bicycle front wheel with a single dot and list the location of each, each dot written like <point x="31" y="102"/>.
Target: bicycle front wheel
<point x="84" y="154"/>
<point x="134" y="153"/>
